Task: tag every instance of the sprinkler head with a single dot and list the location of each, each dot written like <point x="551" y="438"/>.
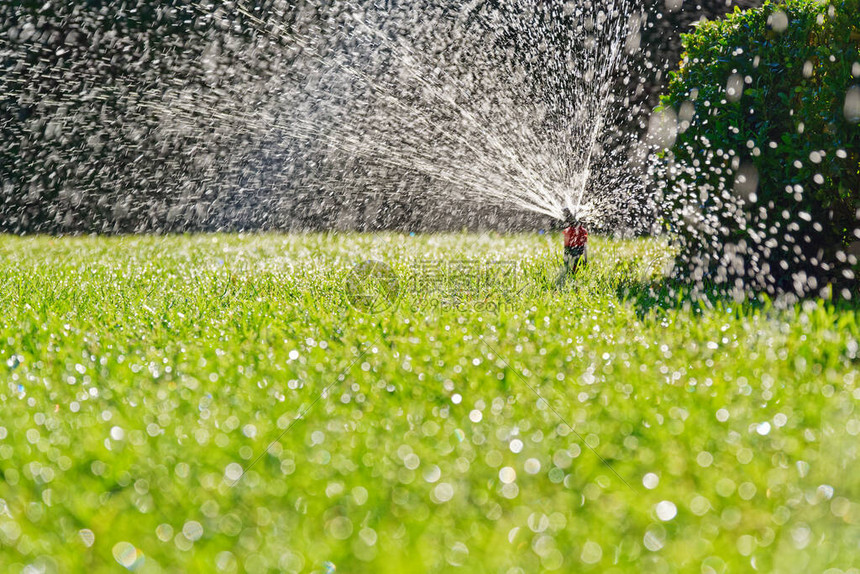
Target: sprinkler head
<point x="571" y="219"/>
<point x="567" y="216"/>
<point x="578" y="216"/>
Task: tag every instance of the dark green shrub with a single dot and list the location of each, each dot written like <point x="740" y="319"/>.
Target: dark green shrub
<point x="763" y="175"/>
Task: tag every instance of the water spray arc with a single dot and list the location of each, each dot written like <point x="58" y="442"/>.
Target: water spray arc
<point x="256" y="115"/>
<point x="479" y="130"/>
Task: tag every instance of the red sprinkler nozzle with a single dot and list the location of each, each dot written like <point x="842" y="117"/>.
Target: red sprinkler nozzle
<point x="575" y="240"/>
<point x="575" y="236"/>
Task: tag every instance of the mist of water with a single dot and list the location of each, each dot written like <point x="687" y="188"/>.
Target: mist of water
<point x="280" y="110"/>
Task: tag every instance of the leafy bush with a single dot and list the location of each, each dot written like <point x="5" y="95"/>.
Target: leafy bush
<point x="763" y="165"/>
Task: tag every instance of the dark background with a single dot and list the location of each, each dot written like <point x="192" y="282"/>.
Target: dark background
<point x="78" y="154"/>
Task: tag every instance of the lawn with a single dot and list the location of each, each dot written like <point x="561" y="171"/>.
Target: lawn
<point x="224" y="403"/>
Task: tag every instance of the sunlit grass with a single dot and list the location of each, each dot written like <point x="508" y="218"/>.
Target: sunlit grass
<point x="473" y="424"/>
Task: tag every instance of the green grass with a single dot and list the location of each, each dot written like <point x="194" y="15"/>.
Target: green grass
<point x="141" y="375"/>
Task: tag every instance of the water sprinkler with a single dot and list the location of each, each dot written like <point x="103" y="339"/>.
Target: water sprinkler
<point x="575" y="241"/>
<point x="575" y="245"/>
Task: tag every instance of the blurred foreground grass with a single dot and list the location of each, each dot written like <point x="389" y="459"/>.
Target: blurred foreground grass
<point x="142" y="376"/>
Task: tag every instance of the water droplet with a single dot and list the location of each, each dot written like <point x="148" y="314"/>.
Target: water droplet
<point x="666" y="510"/>
<point x="778" y="21"/>
<point x="233" y="472"/>
<point x="507" y="475"/>
<point x="591" y="552"/>
<point x="87" y="537"/>
<point x="852" y="105"/>
<point x="443" y="492"/>
<point x="192" y="530"/>
<point x="532" y="466"/>
<point x="650" y="481"/>
<point x="340" y="527"/>
<point x="127" y="555"/>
